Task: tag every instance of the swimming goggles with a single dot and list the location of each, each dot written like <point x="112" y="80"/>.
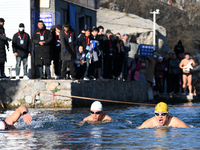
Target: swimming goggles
<point x="98" y="112"/>
<point x="162" y="114"/>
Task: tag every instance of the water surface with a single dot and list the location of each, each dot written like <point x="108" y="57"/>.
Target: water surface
<point x="57" y="129"/>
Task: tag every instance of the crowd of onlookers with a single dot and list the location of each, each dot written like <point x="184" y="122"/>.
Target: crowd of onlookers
<point x="164" y="72"/>
<point x="92" y="55"/>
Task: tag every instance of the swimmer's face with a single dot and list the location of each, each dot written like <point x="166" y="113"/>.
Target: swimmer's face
<point x="96" y="115"/>
<point x="162" y="118"/>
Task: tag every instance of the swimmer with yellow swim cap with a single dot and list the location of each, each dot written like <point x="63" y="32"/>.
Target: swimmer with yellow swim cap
<point x="162" y="118"/>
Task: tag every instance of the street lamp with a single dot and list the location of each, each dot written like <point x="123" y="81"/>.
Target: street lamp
<point x="156" y="12"/>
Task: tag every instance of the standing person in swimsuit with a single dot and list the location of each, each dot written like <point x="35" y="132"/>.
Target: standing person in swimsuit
<point x="187" y="65"/>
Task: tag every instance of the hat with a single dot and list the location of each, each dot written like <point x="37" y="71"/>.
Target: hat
<point x="125" y="34"/>
<point x="160" y="57"/>
<point x="2" y="20"/>
<point x="108" y="31"/>
<point x="96" y="106"/>
<point x="59" y="27"/>
<point x="21" y="25"/>
<point x="161" y="107"/>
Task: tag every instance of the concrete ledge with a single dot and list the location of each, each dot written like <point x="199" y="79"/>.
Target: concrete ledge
<point x="17" y="92"/>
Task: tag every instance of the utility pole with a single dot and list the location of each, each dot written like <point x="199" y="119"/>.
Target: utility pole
<point x="156" y="12"/>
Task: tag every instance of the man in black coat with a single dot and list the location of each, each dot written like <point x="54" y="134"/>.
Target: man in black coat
<point x="68" y="53"/>
<point x="21" y="44"/>
<point x="56" y="50"/>
<point x="3" y="41"/>
<point x="42" y="39"/>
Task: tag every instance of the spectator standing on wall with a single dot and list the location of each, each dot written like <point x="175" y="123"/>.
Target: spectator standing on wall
<point x="56" y="51"/>
<point x="132" y="54"/>
<point x="3" y="41"/>
<point x="21" y="44"/>
<point x="175" y="74"/>
<point x="80" y="63"/>
<point x="108" y="55"/>
<point x="118" y="57"/>
<point x="159" y="74"/>
<point x="68" y="53"/>
<point x="166" y="73"/>
<point x="84" y="40"/>
<point x="151" y="61"/>
<point x="126" y="50"/>
<point x="42" y="39"/>
<point x="95" y="70"/>
<point x="101" y="37"/>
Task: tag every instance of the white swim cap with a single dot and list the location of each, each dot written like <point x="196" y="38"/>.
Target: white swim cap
<point x="2" y="125"/>
<point x="96" y="106"/>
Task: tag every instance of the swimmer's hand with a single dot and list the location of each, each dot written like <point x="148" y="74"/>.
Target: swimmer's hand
<point x="27" y="119"/>
<point x="80" y="123"/>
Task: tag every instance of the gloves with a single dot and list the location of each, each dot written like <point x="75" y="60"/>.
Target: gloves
<point x="64" y="50"/>
<point x="8" y="39"/>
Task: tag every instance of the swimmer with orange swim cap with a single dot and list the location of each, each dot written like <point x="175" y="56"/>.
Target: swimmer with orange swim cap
<point x="162" y="118"/>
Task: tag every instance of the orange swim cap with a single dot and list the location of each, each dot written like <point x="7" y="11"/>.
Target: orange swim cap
<point x="161" y="107"/>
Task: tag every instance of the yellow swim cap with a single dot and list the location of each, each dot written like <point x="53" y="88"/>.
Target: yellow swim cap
<point x="161" y="107"/>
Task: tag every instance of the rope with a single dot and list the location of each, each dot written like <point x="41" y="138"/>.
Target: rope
<point x="104" y="100"/>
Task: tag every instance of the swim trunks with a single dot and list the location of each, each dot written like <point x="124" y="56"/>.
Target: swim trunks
<point x="187" y="74"/>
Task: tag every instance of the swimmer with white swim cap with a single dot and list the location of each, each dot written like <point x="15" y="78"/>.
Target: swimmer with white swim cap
<point x="8" y="123"/>
<point x="162" y="118"/>
<point x="96" y="114"/>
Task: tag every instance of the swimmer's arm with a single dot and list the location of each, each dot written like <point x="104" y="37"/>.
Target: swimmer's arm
<point x="16" y="115"/>
<point x="107" y="119"/>
<point x="82" y="122"/>
<point x="177" y="123"/>
<point x="193" y="63"/>
<point x="181" y="65"/>
<point x="147" y="124"/>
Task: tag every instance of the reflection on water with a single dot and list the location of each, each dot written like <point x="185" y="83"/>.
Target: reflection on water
<point x="57" y="129"/>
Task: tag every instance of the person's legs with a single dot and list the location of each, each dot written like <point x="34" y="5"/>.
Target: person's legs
<point x="47" y="70"/>
<point x="18" y="64"/>
<point x="40" y="70"/>
<point x="25" y="65"/>
<point x="87" y="67"/>
<point x="64" y="69"/>
<point x="190" y="83"/>
<point x="72" y="69"/>
<point x="184" y="83"/>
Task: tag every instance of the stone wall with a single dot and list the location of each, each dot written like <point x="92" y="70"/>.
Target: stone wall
<point x="17" y="92"/>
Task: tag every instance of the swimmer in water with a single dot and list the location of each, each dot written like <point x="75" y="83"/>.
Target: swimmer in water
<point x="8" y="123"/>
<point x="187" y="65"/>
<point x="162" y="118"/>
<point x="96" y="114"/>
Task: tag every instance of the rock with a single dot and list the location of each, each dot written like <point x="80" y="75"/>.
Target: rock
<point x="63" y="92"/>
<point x="27" y="90"/>
<point x="46" y="97"/>
<point x="51" y="86"/>
<point x="39" y="85"/>
<point x="66" y="85"/>
<point x="28" y="99"/>
<point x="131" y="24"/>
